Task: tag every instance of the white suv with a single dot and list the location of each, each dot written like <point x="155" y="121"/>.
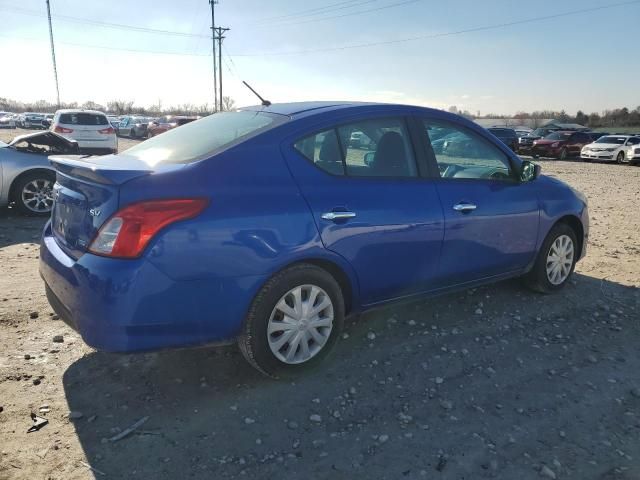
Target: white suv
<point x="90" y="128"/>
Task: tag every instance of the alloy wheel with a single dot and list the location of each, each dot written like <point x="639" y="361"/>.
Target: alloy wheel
<point x="300" y="324"/>
<point x="560" y="259"/>
<point x="37" y="195"/>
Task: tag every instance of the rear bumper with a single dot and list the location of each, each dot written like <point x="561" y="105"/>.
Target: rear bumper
<point x="130" y="305"/>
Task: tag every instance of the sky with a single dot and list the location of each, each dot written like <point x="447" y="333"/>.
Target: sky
<point x="294" y="51"/>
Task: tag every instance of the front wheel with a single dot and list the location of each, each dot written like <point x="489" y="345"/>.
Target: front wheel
<point x="620" y="158"/>
<point x="294" y="321"/>
<point x="563" y="154"/>
<point x="556" y="260"/>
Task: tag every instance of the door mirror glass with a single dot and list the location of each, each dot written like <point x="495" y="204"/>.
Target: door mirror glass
<point x="529" y="171"/>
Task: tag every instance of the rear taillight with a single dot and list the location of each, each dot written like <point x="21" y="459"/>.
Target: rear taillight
<point x="129" y="231"/>
<point x="107" y="131"/>
<point x="60" y="129"/>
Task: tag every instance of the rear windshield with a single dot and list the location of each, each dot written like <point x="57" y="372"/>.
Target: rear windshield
<point x="203" y="137"/>
<point x="83" y="119"/>
<point x="618" y="140"/>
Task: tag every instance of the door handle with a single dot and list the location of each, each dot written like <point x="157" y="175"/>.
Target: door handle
<point x="333" y="216"/>
<point x="464" y="207"/>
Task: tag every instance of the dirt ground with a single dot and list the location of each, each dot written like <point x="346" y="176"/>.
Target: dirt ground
<point x="495" y="382"/>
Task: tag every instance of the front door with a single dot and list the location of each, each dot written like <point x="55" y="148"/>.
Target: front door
<point x="362" y="183"/>
<point x="491" y="218"/>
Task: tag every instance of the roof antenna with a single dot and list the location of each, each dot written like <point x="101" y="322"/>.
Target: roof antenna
<point x="265" y="103"/>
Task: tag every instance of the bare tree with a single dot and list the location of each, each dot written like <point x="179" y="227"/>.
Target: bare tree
<point x="228" y="104"/>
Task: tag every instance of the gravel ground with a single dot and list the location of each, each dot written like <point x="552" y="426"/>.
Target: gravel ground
<point x="495" y="382"/>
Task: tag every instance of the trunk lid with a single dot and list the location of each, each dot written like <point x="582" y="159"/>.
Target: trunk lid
<point x="86" y="194"/>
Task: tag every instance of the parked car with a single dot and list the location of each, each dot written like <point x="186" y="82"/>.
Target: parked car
<point x="618" y="148"/>
<point x="163" y="124"/>
<point x="237" y="227"/>
<point x="89" y="128"/>
<point x="560" y="144"/>
<point x="30" y="120"/>
<point x="46" y="120"/>
<point x="596" y="135"/>
<point x="521" y="131"/>
<point x="508" y="136"/>
<point x="133" y="126"/>
<point x="27" y="176"/>
<point x="359" y="140"/>
<point x="7" y="120"/>
<point x="633" y="154"/>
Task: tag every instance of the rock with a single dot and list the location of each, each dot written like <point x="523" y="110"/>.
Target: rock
<point x="411" y="322"/>
<point x="258" y="441"/>
<point x="547" y="472"/>
<point x="383" y="438"/>
<point x="58" y="339"/>
<point x="446" y="404"/>
<point x="315" y="418"/>
<point x="249" y="420"/>
<point x="74" y="415"/>
<point x="371" y="336"/>
<point x="478" y="311"/>
<point x="36" y="381"/>
<point x="352" y="391"/>
<point x="33" y="315"/>
<point x="292" y="425"/>
<point x="439" y="380"/>
<point x="345" y="336"/>
<point x="27" y="356"/>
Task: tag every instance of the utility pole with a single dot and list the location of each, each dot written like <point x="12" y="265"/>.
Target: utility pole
<point x="220" y="36"/>
<point x="53" y="53"/>
<point x="213" y="45"/>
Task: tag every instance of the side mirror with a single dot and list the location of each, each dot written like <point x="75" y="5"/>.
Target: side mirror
<point x="368" y="158"/>
<point x="529" y="171"/>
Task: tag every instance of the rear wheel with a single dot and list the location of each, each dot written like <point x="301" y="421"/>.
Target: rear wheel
<point x="556" y="260"/>
<point x="33" y="193"/>
<point x="294" y="321"/>
<point x="620" y="157"/>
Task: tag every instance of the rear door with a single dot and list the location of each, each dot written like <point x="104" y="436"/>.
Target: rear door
<point x="491" y="219"/>
<point x="370" y="204"/>
<point x="577" y="141"/>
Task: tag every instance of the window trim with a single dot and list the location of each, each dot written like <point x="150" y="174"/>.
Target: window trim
<point x="433" y="160"/>
<point x="404" y="118"/>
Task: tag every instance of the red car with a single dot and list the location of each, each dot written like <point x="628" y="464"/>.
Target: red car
<point x="561" y="144"/>
<point x="168" y="122"/>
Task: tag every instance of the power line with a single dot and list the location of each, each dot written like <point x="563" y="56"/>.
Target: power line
<point x="120" y="26"/>
<point x="313" y="11"/>
<point x="439" y="35"/>
<point x="360" y="12"/>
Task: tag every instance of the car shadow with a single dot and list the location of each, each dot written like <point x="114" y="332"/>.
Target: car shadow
<point x="17" y="228"/>
<point x="210" y="415"/>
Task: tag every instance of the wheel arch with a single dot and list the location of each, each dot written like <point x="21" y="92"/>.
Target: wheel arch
<point x="18" y="178"/>
<point x="576" y="225"/>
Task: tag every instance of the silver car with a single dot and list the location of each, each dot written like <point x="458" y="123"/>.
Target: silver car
<point x="26" y="176"/>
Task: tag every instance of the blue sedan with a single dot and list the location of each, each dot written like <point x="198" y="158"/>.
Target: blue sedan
<point x="266" y="226"/>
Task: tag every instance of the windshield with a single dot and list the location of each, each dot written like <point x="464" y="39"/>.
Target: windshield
<point x="616" y="140"/>
<point x="206" y="136"/>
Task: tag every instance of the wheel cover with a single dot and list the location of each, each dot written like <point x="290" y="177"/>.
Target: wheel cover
<point x="37" y="195"/>
<point x="300" y="324"/>
<point x="560" y="259"/>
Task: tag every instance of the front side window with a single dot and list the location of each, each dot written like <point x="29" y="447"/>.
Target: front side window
<point x="368" y="148"/>
<point x="633" y="141"/>
<point x="463" y="154"/>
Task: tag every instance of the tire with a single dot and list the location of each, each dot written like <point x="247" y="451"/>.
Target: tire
<point x="620" y="158"/>
<point x="538" y="279"/>
<point x="563" y="154"/>
<point x="39" y="183"/>
<point x="254" y="341"/>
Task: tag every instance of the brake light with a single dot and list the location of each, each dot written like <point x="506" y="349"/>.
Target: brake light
<point x="127" y="233"/>
<point x="107" y="131"/>
<point x="60" y="129"/>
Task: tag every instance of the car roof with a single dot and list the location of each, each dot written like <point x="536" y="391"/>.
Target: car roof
<point x="79" y="110"/>
<point x="296" y="109"/>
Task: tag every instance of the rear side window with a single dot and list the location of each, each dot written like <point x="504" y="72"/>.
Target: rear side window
<point x="83" y="119"/>
<point x="369" y="148"/>
<point x="196" y="140"/>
